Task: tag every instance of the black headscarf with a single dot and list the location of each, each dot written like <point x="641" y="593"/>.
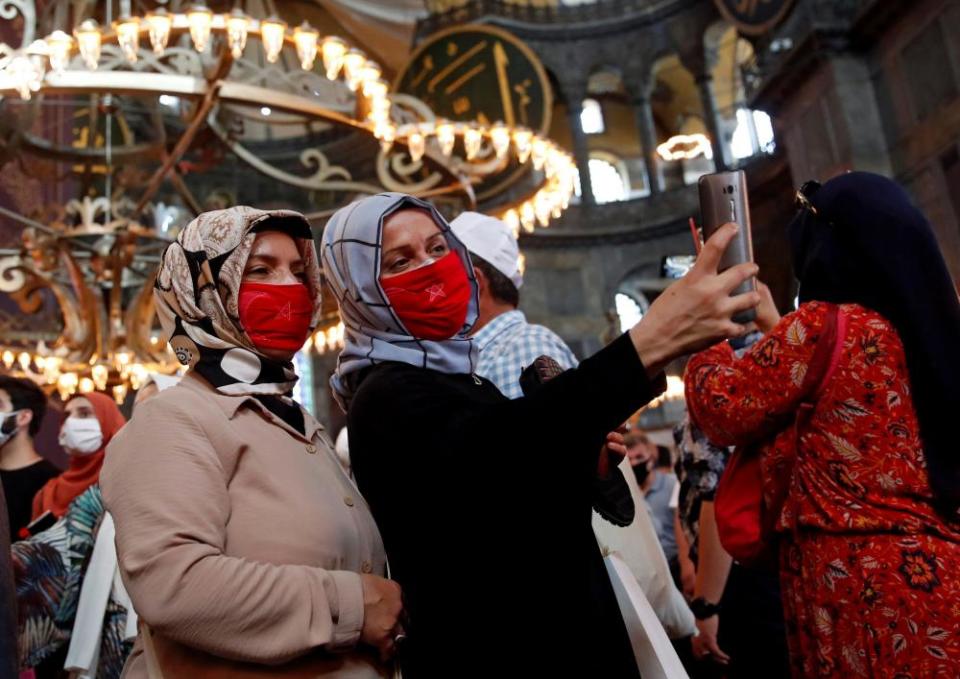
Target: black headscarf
<point x="869" y="245"/>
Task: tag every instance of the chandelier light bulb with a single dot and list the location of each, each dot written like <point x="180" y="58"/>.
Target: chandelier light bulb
<point x="500" y="137"/>
<point x="272" y="32"/>
<point x="86" y="385"/>
<point x="128" y="36"/>
<point x="542" y="207"/>
<point x="380" y="110"/>
<point x="100" y="373"/>
<point x="333" y="51"/>
<point x="353" y="64"/>
<point x="59" y="46"/>
<point x="417" y="144"/>
<point x="528" y="217"/>
<point x="370" y="73"/>
<point x="472" y="140"/>
<point x="8" y="359"/>
<point x="120" y="393"/>
<point x="88" y="42"/>
<point x="305" y="37"/>
<point x="522" y="139"/>
<point x="539" y="153"/>
<point x="200" y="19"/>
<point x="238" y="26"/>
<point x="159" y="25"/>
<point x="376" y="89"/>
<point x="27" y="73"/>
<point x="446" y="137"/>
<point x="387" y="134"/>
<point x="512" y="219"/>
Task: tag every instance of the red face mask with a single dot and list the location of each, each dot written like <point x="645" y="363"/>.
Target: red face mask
<point x="432" y="301"/>
<point x="276" y="317"/>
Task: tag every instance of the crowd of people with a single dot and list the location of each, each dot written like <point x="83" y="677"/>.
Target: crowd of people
<point x="463" y="522"/>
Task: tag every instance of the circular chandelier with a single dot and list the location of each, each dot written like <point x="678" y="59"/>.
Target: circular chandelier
<point x="468" y="152"/>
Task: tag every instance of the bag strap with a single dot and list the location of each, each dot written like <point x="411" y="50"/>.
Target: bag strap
<point x="823" y="363"/>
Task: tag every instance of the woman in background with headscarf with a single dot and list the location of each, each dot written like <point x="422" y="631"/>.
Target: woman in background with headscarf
<point x="91" y="422"/>
<point x="246" y="549"/>
<point x="485" y="503"/>
<point x="870" y="556"/>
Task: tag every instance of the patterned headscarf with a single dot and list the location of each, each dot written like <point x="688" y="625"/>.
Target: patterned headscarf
<point x="196" y="294"/>
<point x="352" y="242"/>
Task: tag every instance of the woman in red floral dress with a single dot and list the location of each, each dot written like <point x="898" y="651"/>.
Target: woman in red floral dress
<point x="870" y="555"/>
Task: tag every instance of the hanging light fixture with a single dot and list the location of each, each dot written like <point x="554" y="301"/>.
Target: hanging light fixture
<point x="417" y="144"/>
<point x="59" y="45"/>
<point x="333" y="51"/>
<point x="512" y="219"/>
<point x="370" y="73"/>
<point x="500" y="137"/>
<point x="522" y="138"/>
<point x="353" y="64"/>
<point x="446" y="137"/>
<point x="472" y="140"/>
<point x="88" y="42"/>
<point x="387" y="134"/>
<point x="159" y="25"/>
<point x="528" y="217"/>
<point x="272" y="32"/>
<point x="100" y="374"/>
<point x="538" y="153"/>
<point x="238" y="25"/>
<point x="128" y="36"/>
<point x="376" y="89"/>
<point x="380" y="110"/>
<point x="27" y="73"/>
<point x="305" y="37"/>
<point x="200" y="19"/>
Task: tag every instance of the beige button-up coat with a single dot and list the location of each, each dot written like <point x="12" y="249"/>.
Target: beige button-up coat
<point x="240" y="541"/>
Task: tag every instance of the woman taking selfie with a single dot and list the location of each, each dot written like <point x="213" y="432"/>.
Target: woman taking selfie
<point x="485" y="503"/>
<point x="246" y="550"/>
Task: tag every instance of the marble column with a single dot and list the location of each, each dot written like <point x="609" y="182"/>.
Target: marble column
<point x="643" y="111"/>
<point x="581" y="151"/>
<point x="711" y="119"/>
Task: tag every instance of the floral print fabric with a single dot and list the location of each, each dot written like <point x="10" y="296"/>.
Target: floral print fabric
<point x="870" y="571"/>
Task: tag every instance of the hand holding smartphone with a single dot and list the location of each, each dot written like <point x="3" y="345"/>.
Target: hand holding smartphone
<point x="723" y="199"/>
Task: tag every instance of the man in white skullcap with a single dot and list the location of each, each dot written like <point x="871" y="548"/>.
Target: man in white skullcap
<point x="507" y="342"/>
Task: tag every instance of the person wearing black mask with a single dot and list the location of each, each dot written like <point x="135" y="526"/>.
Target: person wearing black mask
<point x="22" y="470"/>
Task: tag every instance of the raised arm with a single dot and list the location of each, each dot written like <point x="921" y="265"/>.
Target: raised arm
<point x="736" y="401"/>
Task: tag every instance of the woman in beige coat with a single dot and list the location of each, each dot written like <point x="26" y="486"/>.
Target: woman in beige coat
<point x="245" y="548"/>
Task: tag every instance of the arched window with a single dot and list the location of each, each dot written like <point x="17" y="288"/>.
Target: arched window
<point x="609" y="180"/>
<point x="591" y="117"/>
<point x="628" y="310"/>
<point x="753" y="135"/>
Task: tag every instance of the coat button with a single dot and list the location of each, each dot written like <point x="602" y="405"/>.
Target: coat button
<point x="311" y="449"/>
<point x="366" y="567"/>
<point x="348" y="501"/>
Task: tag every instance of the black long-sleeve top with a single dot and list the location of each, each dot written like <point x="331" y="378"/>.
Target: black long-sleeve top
<point x="484" y="504"/>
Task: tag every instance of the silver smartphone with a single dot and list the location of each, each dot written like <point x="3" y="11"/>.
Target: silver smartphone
<point x="723" y="198"/>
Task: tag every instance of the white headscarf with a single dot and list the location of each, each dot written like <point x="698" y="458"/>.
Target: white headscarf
<point x="350" y="252"/>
